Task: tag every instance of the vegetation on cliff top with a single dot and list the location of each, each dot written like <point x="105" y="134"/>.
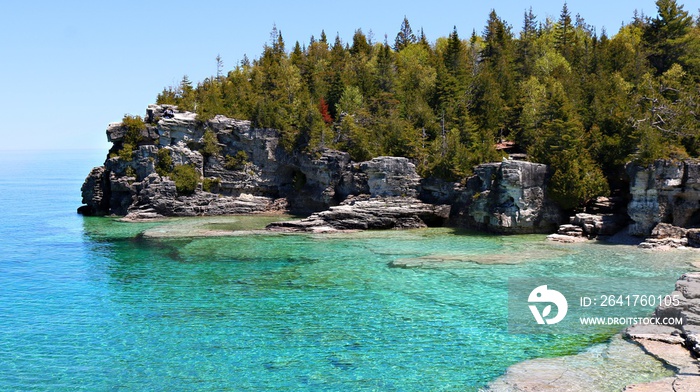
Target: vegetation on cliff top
<point x="566" y="94"/>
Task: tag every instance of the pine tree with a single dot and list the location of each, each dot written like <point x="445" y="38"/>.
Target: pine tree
<point x="526" y="51"/>
<point x="664" y="35"/>
<point x="219" y="67"/>
<point x="564" y="34"/>
<point x="405" y="36"/>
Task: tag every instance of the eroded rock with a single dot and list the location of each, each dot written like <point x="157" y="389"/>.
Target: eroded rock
<point x="507" y="197"/>
<point x="666" y="191"/>
<point x="253" y="172"/>
<point x="364" y="213"/>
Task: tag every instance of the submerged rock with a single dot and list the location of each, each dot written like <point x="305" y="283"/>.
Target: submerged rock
<point x="605" y="367"/>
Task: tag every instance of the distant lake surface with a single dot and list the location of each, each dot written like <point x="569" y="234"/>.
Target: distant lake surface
<point x="96" y="304"/>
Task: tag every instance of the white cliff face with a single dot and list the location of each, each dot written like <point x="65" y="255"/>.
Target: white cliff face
<point x="664" y="192"/>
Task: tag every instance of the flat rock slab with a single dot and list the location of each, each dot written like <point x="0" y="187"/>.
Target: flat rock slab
<point x="663" y="385"/>
<point x="214" y="226"/>
<point x="673" y="354"/>
<point x="605" y="367"/>
<point x="369" y="214"/>
<point x="681" y="383"/>
<point x="567" y="239"/>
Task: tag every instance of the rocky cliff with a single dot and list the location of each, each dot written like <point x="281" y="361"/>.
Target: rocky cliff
<point x="501" y="197"/>
<point x="666" y="191"/>
<point x="264" y="177"/>
<point x="252" y="172"/>
<point x="509" y="196"/>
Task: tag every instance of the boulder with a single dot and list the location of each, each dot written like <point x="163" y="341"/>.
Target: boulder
<point x="693" y="236"/>
<point x="666" y="230"/>
<point x="601" y="224"/>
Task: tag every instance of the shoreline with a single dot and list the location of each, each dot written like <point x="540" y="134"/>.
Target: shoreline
<point x="672" y="347"/>
<point x="524" y="375"/>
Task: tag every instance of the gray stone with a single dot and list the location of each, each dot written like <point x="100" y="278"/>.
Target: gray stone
<point x="606" y="205"/>
<point x="507" y="197"/>
<point x="693" y="236"/>
<point x="687" y="306"/>
<point x="666" y="191"/>
<point x="677" y="346"/>
<point x="116" y="132"/>
<point x="391" y="176"/>
<point x="666" y="230"/>
<point x="364" y="213"/>
<point x="93" y="192"/>
<point x="600" y="224"/>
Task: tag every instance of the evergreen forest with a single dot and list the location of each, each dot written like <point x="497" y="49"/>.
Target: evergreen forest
<point x="560" y="91"/>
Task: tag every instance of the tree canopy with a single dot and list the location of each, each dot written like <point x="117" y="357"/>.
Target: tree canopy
<point x="561" y="91"/>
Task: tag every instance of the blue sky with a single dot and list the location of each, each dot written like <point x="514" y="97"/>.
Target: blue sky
<point x="71" y="67"/>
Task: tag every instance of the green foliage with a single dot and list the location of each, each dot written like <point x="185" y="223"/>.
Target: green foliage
<point x="210" y="184"/>
<point x="576" y="179"/>
<point x="666" y="35"/>
<point x="164" y="162"/>
<point x="186" y="179"/>
<point x="236" y="162"/>
<point x="583" y="102"/>
<point x="133" y="126"/>
<point x="210" y="144"/>
<point x="130" y="172"/>
<point x="350" y="102"/>
<point x="126" y="154"/>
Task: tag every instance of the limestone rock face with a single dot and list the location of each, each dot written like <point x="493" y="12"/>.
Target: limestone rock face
<point x="93" y="191"/>
<point x="507" y="197"/>
<point x="391" y="176"/>
<point x="116" y="132"/>
<point x="365" y="213"/>
<point x="157" y="196"/>
<point x="133" y="188"/>
<point x="253" y="172"/>
<point x="664" y="192"/>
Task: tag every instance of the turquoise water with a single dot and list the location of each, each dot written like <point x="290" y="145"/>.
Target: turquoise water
<point x="95" y="304"/>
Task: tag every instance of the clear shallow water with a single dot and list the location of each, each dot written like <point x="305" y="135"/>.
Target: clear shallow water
<point x="89" y="303"/>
